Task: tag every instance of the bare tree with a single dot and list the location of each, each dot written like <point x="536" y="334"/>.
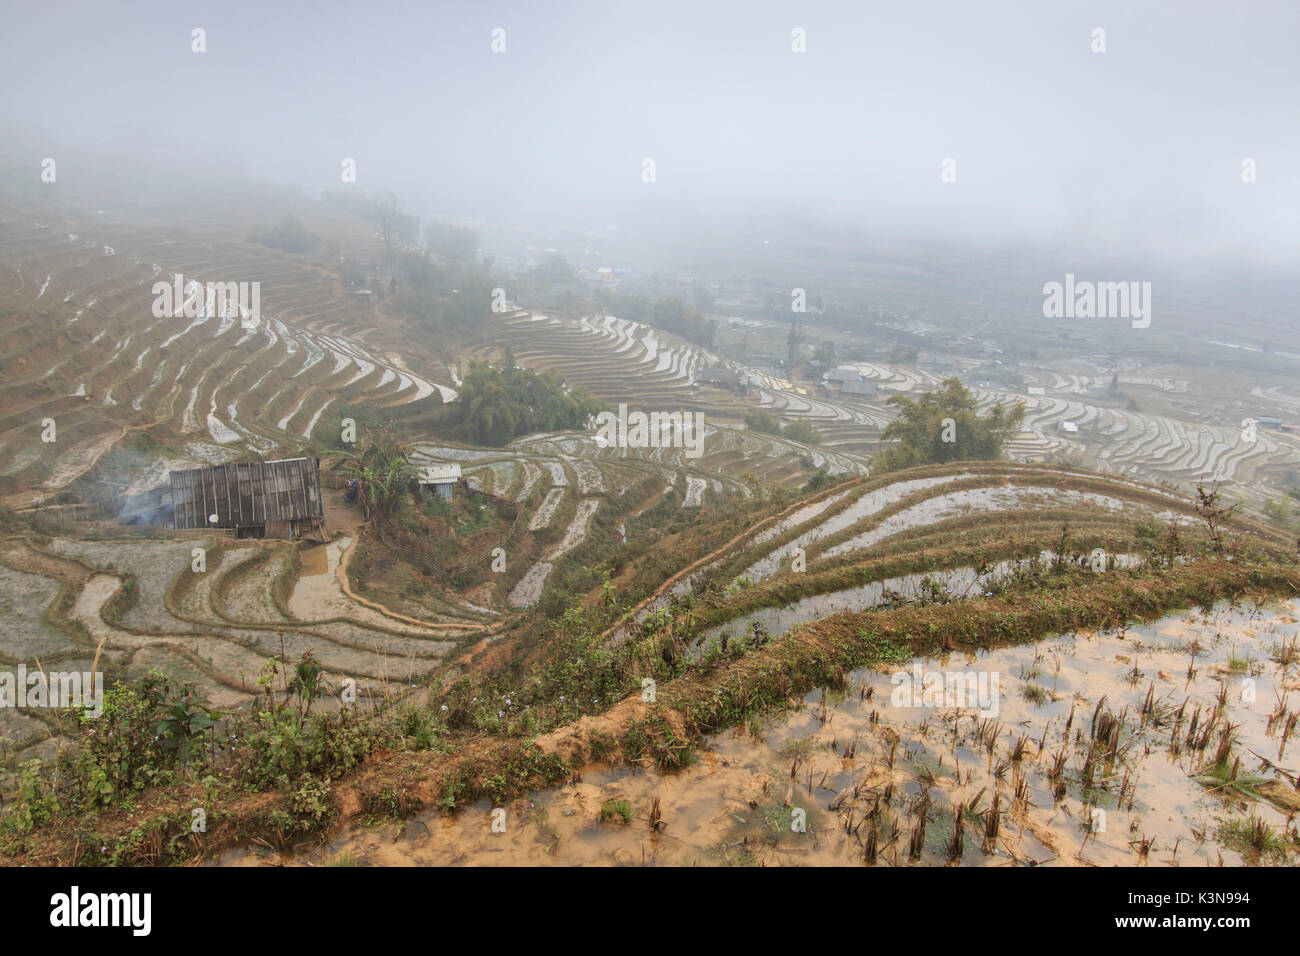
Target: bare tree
<point x="1215" y="515"/>
<point x="386" y="212"/>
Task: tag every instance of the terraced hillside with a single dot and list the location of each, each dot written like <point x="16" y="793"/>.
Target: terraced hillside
<point x="519" y="622"/>
<point x="934" y="532"/>
<point x="1178" y="448"/>
<point x="136" y="603"/>
<point x="84" y="349"/>
<point x="622" y="361"/>
<point x="726" y="616"/>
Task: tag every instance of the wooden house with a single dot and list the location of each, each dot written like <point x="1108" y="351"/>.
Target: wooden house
<point x="255" y="499"/>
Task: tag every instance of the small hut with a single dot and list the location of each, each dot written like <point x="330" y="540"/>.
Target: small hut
<point x="441" y="478"/>
<point x="255" y="499"/>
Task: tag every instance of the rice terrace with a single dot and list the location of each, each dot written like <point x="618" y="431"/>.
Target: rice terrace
<point x="372" y="522"/>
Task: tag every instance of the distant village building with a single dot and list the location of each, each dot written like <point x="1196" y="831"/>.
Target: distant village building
<point x="274" y="499"/>
<point x="540" y="300"/>
<point x="1068" y="428"/>
<point x="441" y="478"/>
<point x="763" y="363"/>
<point x="933" y="360"/>
<point x="860" y="388"/>
<point x="718" y="375"/>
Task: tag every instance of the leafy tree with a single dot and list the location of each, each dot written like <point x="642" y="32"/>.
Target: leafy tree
<point x="289" y="236"/>
<point x="553" y="269"/>
<point x="761" y="420"/>
<point x="441" y="296"/>
<point x="802" y="432"/>
<point x="821" y="479"/>
<point x="943" y="425"/>
<point x="497" y="405"/>
<point x="450" y="242"/>
<point x="379" y="464"/>
<point x="418" y="272"/>
<point x="308" y="683"/>
<point x="672" y="316"/>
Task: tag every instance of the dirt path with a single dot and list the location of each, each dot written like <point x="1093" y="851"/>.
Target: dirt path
<point x="339" y="554"/>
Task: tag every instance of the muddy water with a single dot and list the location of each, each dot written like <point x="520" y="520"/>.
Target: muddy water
<point x="806" y="513"/>
<point x="317" y="595"/>
<point x="866" y="505"/>
<point x="982" y="500"/>
<point x="942" y="586"/>
<point x="839" y="756"/>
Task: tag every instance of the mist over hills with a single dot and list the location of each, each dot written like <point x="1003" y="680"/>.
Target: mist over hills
<point x="416" y="415"/>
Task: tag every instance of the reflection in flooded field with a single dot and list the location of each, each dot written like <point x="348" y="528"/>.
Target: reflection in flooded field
<point x="943" y="587"/>
<point x="1165" y="744"/>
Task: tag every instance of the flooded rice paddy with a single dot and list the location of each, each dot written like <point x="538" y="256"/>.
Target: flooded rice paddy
<point x="1167" y="744"/>
<point x="942" y="587"/>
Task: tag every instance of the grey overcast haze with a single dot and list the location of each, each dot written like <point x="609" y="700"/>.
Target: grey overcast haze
<point x="1136" y="150"/>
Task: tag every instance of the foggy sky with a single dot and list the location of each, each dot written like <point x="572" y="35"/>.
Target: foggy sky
<point x="1138" y="148"/>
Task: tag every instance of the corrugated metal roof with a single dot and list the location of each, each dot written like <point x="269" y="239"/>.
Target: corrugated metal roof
<point x="247" y="494"/>
<point x="439" y="474"/>
<point x="859" y="388"/>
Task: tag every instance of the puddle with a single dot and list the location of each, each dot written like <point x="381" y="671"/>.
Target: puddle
<point x="315" y="561"/>
<point x="317" y="595"/>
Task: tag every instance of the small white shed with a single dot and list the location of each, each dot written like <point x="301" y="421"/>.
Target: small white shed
<point x="441" y="477"/>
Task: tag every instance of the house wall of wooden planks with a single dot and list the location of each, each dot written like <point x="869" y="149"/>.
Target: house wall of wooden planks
<point x="278" y="499"/>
